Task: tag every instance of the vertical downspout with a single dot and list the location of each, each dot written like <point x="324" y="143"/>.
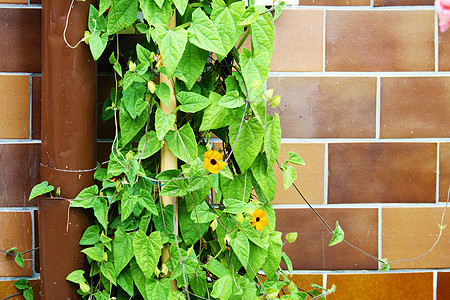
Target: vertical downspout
<point x="68" y="153"/>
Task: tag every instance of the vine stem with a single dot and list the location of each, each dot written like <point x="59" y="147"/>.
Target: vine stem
<point x="66" y="25"/>
<point x="179" y="253"/>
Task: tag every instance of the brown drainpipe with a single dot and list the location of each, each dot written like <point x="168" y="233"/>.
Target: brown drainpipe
<point x="68" y="153"/>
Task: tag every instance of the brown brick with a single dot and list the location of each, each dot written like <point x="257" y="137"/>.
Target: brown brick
<point x="7" y="288"/>
<point x="300" y="49"/>
<point x="16" y="232"/>
<point x="443" y="285"/>
<point x="311" y="250"/>
<point x="382" y="173"/>
<point x="19" y="173"/>
<point x="380" y="40"/>
<point x="409" y="232"/>
<point x="304" y="281"/>
<point x="381" y="286"/>
<point x="14" y="1"/>
<point x="36" y="107"/>
<point x="402" y="2"/>
<point x="20" y="45"/>
<point x="310" y="178"/>
<point x="326" y="107"/>
<point x="415" y="107"/>
<point x="444" y="51"/>
<point x="444" y="171"/>
<point x="15" y="103"/>
<point x="335" y="2"/>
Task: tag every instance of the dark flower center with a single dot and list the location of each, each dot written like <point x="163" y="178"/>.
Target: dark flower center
<point x="213" y="162"/>
<point x="257" y="219"/>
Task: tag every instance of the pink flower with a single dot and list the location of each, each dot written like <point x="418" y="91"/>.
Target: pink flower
<point x="443" y="11"/>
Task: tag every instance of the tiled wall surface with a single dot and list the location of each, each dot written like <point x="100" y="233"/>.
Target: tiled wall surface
<point x="365" y="88"/>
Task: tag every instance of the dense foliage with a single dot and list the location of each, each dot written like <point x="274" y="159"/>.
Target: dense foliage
<point x="218" y="232"/>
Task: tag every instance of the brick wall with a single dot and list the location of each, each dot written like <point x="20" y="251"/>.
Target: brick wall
<point x="365" y="88"/>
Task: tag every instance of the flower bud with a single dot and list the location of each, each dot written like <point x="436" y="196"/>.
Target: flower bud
<point x="240" y="218"/>
<point x="151" y="86"/>
<point x="132" y="66"/>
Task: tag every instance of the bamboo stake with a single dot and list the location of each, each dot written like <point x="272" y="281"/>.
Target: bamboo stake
<point x="168" y="160"/>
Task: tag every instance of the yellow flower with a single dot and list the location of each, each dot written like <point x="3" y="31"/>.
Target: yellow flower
<point x="212" y="161"/>
<point x="259" y="220"/>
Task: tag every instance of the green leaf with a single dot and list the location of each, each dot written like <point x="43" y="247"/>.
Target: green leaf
<point x="197" y="173"/>
<point x="254" y="67"/>
<point x="158" y="289"/>
<point x="127" y="205"/>
<point x="289" y="176"/>
<point x="256" y="259"/>
<point x="147" y="251"/>
<point x="235" y="206"/>
<point x="97" y="44"/>
<point x="164" y="220"/>
<point x="239" y="188"/>
<point x="159" y="2"/>
<point x="249" y="16"/>
<point x="95" y="253"/>
<point x="96" y="22"/>
<point x="125" y="281"/>
<point x="262" y="37"/>
<point x="338" y="235"/>
<point x="216" y="268"/>
<point x="154" y="14"/>
<point x="125" y="15"/>
<point x="253" y="236"/>
<point x="76" y="276"/>
<point x="204" y="213"/>
<point x="130" y="127"/>
<point x="192" y="102"/>
<point x="41" y="189"/>
<point x="133" y="99"/>
<point x="241" y="247"/>
<point x="163" y="123"/>
<point x="272" y="140"/>
<point x="222" y="288"/>
<point x="147" y="201"/>
<point x="203" y="33"/>
<point x="231" y="100"/>
<point x="181" y="5"/>
<point x="174" y="188"/>
<point x="138" y="278"/>
<point x="182" y="143"/>
<point x="295" y="159"/>
<point x="274" y="252"/>
<point x="248" y="141"/>
<point x="86" y="198"/>
<point x="101" y="211"/>
<point x="226" y="20"/>
<point x="163" y="93"/>
<point x="172" y="43"/>
<point x="107" y="270"/>
<point x="287" y="262"/>
<point x="19" y="260"/>
<point x="215" y="116"/>
<point x="265" y="177"/>
<point x="291" y="237"/>
<point x="21" y="284"/>
<point x="149" y="144"/>
<point x="385" y="265"/>
<point x="28" y="294"/>
<point x="90" y="236"/>
<point x="191" y="64"/>
<point x="104" y="5"/>
<point x="190" y="230"/>
<point x="123" y="249"/>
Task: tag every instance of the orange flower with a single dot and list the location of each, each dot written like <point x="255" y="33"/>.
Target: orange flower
<point x="212" y="161"/>
<point x="259" y="220"/>
<point x="159" y="62"/>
